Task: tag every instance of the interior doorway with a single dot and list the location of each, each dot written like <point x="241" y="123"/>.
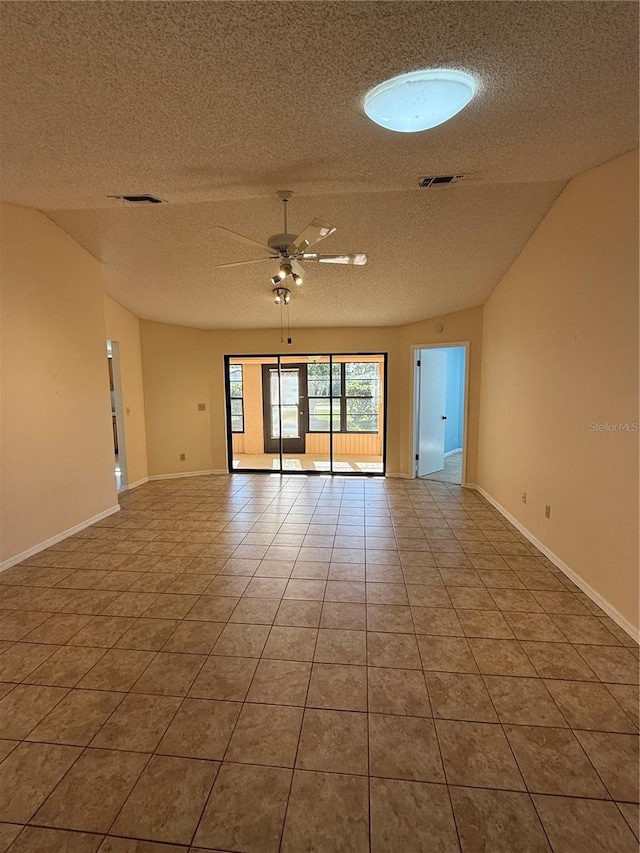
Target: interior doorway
<point x="321" y="413"/>
<point x="117" y="416"/>
<point x="440" y="412"/>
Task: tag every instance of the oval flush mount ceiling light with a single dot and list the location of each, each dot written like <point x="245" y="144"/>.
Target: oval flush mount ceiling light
<point x="419" y="100"/>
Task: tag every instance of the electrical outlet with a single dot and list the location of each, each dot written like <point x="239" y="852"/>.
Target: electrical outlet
<point x="202" y="407"/>
<point x="547" y="511"/>
<point x="183" y="457"/>
<point x="524" y="497"/>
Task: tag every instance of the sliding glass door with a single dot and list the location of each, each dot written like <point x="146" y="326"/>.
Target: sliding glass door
<point x="309" y="413"/>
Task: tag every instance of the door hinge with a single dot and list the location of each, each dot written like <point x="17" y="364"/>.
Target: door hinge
<point x="419" y="363"/>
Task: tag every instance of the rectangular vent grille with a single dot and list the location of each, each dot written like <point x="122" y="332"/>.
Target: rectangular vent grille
<point x="438" y="180"/>
<point x="138" y="199"/>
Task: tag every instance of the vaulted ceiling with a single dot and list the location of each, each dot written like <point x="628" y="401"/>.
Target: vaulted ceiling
<point x="213" y="106"/>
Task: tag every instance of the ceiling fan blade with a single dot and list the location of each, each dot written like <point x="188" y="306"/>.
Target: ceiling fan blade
<point x="242" y="263"/>
<point x="357" y="259"/>
<point x="312" y="234"/>
<point x="297" y="267"/>
<point x="242" y="239"/>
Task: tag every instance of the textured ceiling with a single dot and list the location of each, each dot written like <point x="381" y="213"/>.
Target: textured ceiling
<point x="214" y="105"/>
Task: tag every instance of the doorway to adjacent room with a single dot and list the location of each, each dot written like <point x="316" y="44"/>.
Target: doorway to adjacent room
<point x="440" y="412"/>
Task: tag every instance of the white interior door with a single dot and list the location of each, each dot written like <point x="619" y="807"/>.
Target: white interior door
<point x="431" y="414"/>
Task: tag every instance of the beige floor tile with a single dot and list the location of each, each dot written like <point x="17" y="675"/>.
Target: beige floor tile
<point x="213" y="608"/>
<point x="118" y="669"/>
<point x="93" y="791"/>
<point x="615" y="757"/>
<point x="386" y="593"/>
<point x="299" y="614"/>
<point x="327" y="813"/>
<point x="256" y="611"/>
<point x="168" y="799"/>
<point x="169" y="674"/>
<point x="446" y="654"/>
<point x="35" y="839"/>
<point x="628" y="697"/>
<point x="333" y="741"/>
<point x="585" y="629"/>
<point x="489" y="624"/>
<point x="397" y="691"/>
<point x="392" y="650"/>
<point x="412" y="816"/>
<point x="590" y="826"/>
<point x="477" y="754"/>
<point x="8" y="831"/>
<point x="201" y="728"/>
<point x="59" y="628"/>
<point x="501" y="657"/>
<point x="242" y="640"/>
<point x="338" y="687"/>
<point x="336" y="646"/>
<point x="343" y="590"/>
<point x="538" y="627"/>
<point x="102" y="631"/>
<point x="439" y="621"/>
<point x="497" y="822"/>
<point x="147" y="634"/>
<point x="389" y="617"/>
<point x="287" y="643"/>
<point x="246" y="809"/>
<point x="66" y="666"/>
<point x="468" y="598"/>
<point x="197" y="638"/>
<point x="28" y="776"/>
<point x="611" y="664"/>
<point x="552" y="762"/>
<point x="558" y="660"/>
<point x="423" y="595"/>
<point x="21" y="659"/>
<point x="25" y="706"/>
<point x="266" y="734"/>
<point x="524" y="701"/>
<point x="631" y="813"/>
<point x="77" y="718"/>
<point x="589" y="706"/>
<point x="224" y="678"/>
<point x="460" y="696"/>
<point x="280" y="682"/>
<point x="343" y="615"/>
<point x="404" y="748"/>
<point x="138" y="723"/>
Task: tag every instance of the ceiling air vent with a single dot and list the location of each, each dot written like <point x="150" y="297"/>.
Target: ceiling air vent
<point x="438" y="180"/>
<point x="138" y="199"/>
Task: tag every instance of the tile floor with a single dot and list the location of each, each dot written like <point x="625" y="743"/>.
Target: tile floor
<point x="256" y="663"/>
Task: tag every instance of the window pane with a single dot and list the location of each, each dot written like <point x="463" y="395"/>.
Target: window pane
<point x="318" y="380"/>
<point x="289" y="380"/>
<point x="290" y="422"/>
<point x="362" y="370"/>
<point x="235" y="380"/>
<point x="319" y="415"/>
<point x="362" y="415"/>
<point x="237" y="423"/>
<point x="236" y="407"/>
<point x="235" y="389"/>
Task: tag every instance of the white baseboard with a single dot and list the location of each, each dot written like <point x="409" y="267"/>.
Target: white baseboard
<point x="189" y="474"/>
<point x="455" y="450"/>
<point x="595" y="596"/>
<point x="135" y="485"/>
<point x="18" y="558"/>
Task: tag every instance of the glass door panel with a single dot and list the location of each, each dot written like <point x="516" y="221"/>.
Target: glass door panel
<point x="315" y="412"/>
<point x="246" y="417"/>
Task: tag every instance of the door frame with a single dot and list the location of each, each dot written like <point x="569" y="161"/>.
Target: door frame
<point x="303" y="413"/>
<point x="114" y="346"/>
<point x="415" y="402"/>
<point x="270" y="472"/>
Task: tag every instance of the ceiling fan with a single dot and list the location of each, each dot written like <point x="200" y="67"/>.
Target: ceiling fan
<point x="288" y="250"/>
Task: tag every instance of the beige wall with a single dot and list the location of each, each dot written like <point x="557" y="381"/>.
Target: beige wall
<point x="180" y="365"/>
<point x="124" y="327"/>
<point x="560" y="354"/>
<point x="56" y="439"/>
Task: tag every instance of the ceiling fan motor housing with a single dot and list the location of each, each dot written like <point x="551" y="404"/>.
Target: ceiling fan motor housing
<point x="281" y="242"/>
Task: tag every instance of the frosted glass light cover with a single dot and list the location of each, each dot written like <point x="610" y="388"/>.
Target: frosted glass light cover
<point x="419" y="100"/>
